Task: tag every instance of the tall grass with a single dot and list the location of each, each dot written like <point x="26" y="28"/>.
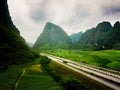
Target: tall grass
<point x="8" y="78"/>
<point x="108" y="58"/>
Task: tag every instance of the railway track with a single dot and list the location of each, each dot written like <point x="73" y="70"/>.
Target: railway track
<point x="105" y="76"/>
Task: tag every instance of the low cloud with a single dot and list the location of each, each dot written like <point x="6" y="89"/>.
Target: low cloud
<point x="73" y="16"/>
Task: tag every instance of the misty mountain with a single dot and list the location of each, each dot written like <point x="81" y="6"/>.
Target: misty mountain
<point x="13" y="48"/>
<point x="29" y="44"/>
<point x="52" y="37"/>
<point x="76" y="36"/>
<point x="114" y="39"/>
<point x="103" y="36"/>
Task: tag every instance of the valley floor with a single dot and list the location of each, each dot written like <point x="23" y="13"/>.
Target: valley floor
<point x="106" y="58"/>
<point x="27" y="77"/>
<point x="32" y="76"/>
<point x="35" y="78"/>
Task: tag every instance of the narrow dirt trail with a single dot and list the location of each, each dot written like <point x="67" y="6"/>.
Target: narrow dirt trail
<point x="33" y="77"/>
<point x="17" y="82"/>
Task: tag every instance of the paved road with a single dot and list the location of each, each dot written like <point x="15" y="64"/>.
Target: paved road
<point x="105" y="77"/>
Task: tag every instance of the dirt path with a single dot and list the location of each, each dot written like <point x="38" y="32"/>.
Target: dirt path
<point x="34" y="78"/>
<point x="17" y="82"/>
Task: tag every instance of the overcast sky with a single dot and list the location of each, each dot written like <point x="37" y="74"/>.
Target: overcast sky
<point x="73" y="16"/>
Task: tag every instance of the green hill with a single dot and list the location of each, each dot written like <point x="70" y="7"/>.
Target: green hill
<point x="102" y="37"/>
<point x="29" y="44"/>
<point x="13" y="48"/>
<point x="114" y="40"/>
<point x="76" y="36"/>
<point x="52" y="37"/>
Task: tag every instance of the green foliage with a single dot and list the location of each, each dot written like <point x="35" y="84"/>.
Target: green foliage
<point x="114" y="65"/>
<point x="3" y="67"/>
<point x="44" y="60"/>
<point x="52" y="37"/>
<point x="29" y="44"/>
<point x="103" y="37"/>
<point x="9" y="77"/>
<point x="86" y="39"/>
<point x="116" y="46"/>
<point x="73" y="84"/>
<point x="114" y="39"/>
<point x="13" y="49"/>
<point x="54" y="45"/>
<point x="75" y="37"/>
<point x="35" y="78"/>
<point x="104" y="58"/>
<point x="71" y="80"/>
<point x="101" y="61"/>
<point x="68" y="83"/>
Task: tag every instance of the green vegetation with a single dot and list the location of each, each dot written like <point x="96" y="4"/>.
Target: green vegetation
<point x="13" y="48"/>
<point x="29" y="44"/>
<point x="107" y="58"/>
<point x="66" y="81"/>
<point x="44" y="61"/>
<point x="71" y="80"/>
<point x="35" y="78"/>
<point x="53" y="36"/>
<point x="9" y="77"/>
<point x="68" y="78"/>
<point x="103" y="37"/>
<point x="76" y="36"/>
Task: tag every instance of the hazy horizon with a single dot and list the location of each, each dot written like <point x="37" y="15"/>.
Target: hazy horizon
<point x="30" y="16"/>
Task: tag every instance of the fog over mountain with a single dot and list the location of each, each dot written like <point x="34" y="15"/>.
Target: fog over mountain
<point x="53" y="37"/>
<point x="73" y="16"/>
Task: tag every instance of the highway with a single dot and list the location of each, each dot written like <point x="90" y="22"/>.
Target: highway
<point x="105" y="76"/>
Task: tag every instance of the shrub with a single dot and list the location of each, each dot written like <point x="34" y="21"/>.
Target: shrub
<point x="44" y="60"/>
<point x="73" y="84"/>
<point x="114" y="65"/>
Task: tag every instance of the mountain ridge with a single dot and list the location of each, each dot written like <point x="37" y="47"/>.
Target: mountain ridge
<point x="13" y="48"/>
<point x="52" y="36"/>
<point x="101" y="37"/>
<point x="76" y="36"/>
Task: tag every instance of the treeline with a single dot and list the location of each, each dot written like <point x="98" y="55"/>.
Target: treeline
<point x="102" y="37"/>
<point x="68" y="83"/>
<point x="13" y="48"/>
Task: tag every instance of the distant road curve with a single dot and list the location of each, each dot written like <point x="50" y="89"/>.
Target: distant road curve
<point x="105" y="77"/>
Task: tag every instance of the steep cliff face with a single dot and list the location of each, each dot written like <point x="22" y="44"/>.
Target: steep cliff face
<point x="114" y="39"/>
<point x="13" y="48"/>
<point x="4" y="13"/>
<point x="103" y="36"/>
<point x="52" y="36"/>
<point x="76" y="36"/>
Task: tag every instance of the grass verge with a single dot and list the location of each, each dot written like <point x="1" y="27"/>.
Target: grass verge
<point x="108" y="58"/>
<point x="72" y="80"/>
<point x="9" y="77"/>
<point x="35" y="78"/>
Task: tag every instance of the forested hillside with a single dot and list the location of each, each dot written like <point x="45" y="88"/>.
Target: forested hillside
<point x="102" y="37"/>
<point x="13" y="48"/>
<point x="53" y="37"/>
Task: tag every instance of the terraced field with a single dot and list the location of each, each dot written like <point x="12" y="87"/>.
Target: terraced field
<point x="30" y="76"/>
<point x="37" y="79"/>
